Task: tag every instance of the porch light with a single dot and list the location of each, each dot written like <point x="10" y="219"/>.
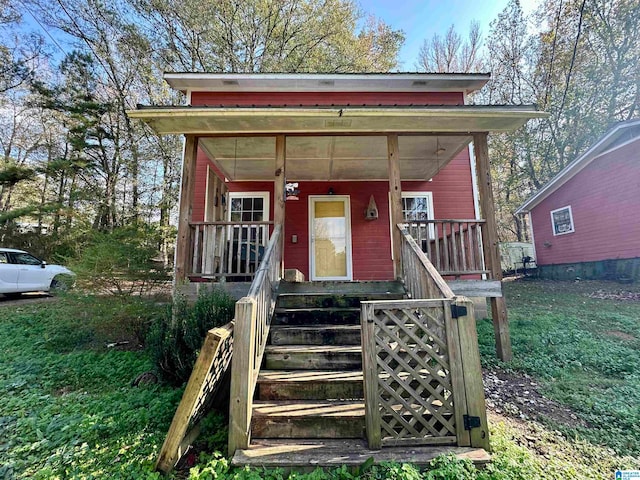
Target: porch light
<point x="330" y="192"/>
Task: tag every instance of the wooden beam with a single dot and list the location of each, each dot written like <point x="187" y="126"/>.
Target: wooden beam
<point x="476" y="288"/>
<point x="395" y="191"/>
<point x="187" y="186"/>
<point x="278" y="190"/>
<point x="490" y="245"/>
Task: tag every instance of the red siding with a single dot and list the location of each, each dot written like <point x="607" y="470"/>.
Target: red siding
<point x="325" y="98"/>
<point x="371" y="247"/>
<point x="605" y="204"/>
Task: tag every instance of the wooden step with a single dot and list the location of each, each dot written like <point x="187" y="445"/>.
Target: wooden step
<point x="312" y="357"/>
<point x="315" y="335"/>
<point x="307" y="455"/>
<point x="317" y="316"/>
<point x="310" y="384"/>
<point x="372" y="287"/>
<point x="331" y="300"/>
<point x="308" y="419"/>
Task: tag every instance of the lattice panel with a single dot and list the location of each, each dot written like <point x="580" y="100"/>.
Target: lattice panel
<point x="205" y="380"/>
<point x="414" y="382"/>
<point x="212" y="381"/>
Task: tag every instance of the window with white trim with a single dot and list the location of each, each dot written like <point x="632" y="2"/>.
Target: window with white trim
<point x="247" y="207"/>
<point x="417" y="206"/>
<point x="562" y="221"/>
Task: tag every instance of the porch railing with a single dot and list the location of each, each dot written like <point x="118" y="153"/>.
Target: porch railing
<point x="252" y="321"/>
<point x="421" y="363"/>
<point x="454" y="247"/>
<point x="227" y="249"/>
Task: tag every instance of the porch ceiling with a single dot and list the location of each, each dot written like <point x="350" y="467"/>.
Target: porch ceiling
<point x="332" y="157"/>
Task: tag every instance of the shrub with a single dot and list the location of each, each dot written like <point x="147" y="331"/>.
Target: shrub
<point x="175" y="339"/>
<point x="120" y="262"/>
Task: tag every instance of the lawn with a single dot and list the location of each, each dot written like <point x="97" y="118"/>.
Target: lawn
<point x="68" y="408"/>
<point x="583" y="350"/>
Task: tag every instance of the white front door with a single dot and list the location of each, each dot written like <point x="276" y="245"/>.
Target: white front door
<point x="330" y="237"/>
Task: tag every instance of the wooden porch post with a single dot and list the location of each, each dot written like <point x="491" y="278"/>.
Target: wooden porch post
<point x="187" y="186"/>
<point x="490" y="245"/>
<point x="278" y="190"/>
<point x="395" y="190"/>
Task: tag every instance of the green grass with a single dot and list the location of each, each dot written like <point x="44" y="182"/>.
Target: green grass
<point x="571" y="343"/>
<point x="68" y="410"/>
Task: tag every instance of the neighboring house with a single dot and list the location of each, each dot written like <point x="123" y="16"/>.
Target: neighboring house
<point x="586" y="221"/>
<point x="367" y="186"/>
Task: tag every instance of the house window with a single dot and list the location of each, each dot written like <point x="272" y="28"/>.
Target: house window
<point x="247" y="207"/>
<point x="417" y="206"/>
<point x="562" y="221"/>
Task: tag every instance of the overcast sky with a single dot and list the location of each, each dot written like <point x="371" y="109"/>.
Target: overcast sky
<point x="422" y="19"/>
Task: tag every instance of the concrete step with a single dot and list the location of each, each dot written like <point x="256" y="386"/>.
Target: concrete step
<point x="315" y="335"/>
<point x="316" y="316"/>
<point x="308" y="419"/>
<point x="332" y="300"/>
<point x="307" y="455"/>
<point x="310" y="384"/>
<point x="312" y="357"/>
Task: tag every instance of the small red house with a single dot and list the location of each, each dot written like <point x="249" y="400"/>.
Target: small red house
<point x="585" y="222"/>
<point x="376" y="190"/>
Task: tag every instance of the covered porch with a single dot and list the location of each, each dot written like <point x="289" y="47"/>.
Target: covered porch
<point x="438" y="400"/>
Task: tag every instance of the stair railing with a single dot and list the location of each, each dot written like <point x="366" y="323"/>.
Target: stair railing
<point x="421" y="278"/>
<point x="252" y="321"/>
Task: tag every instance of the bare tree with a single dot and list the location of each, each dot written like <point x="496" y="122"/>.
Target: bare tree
<point x="452" y="54"/>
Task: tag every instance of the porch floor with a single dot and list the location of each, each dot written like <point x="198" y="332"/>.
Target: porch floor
<point x="306" y="455"/>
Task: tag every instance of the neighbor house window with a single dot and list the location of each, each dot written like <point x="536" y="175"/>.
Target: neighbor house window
<point x="562" y="220"/>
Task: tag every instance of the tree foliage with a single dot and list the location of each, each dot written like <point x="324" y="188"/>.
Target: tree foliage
<point x="577" y="60"/>
<point x="72" y="157"/>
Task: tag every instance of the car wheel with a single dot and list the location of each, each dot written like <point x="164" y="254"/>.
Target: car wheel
<point x="59" y="284"/>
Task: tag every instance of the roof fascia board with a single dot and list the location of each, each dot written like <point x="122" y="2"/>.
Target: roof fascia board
<point x="567" y="173"/>
<point x="400" y="82"/>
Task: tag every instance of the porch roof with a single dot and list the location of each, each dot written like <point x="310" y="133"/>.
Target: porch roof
<point x="337" y="142"/>
<point x="336" y="119"/>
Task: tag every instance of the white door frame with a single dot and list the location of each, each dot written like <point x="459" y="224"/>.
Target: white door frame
<point x="347" y="211"/>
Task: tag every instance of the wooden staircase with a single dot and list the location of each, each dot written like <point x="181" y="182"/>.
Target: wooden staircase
<point x="309" y="408"/>
<point x="310" y="386"/>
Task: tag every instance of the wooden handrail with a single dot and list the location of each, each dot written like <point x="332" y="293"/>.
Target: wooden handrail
<point x="421" y="278"/>
<point x="252" y="321"/>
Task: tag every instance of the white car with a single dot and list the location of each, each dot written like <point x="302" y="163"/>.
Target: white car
<point x="21" y="272"/>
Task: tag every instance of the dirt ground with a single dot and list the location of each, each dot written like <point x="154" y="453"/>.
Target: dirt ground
<point x="26" y="299"/>
<point x="518" y="396"/>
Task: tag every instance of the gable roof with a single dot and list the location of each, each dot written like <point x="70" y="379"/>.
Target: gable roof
<point x="621" y="134"/>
